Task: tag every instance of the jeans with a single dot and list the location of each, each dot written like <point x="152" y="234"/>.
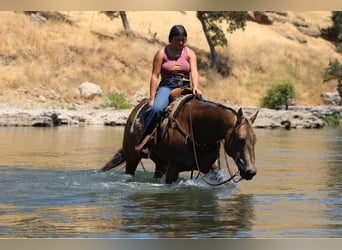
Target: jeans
<point x="154" y="113"/>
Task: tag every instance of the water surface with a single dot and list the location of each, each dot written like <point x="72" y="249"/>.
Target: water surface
<point x="49" y="188"/>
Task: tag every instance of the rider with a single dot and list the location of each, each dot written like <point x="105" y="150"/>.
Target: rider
<point x="176" y="63"/>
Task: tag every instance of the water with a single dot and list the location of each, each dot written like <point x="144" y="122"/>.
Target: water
<point x="50" y="189"/>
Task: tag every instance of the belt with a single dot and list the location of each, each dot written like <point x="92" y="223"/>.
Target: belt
<point x="181" y="82"/>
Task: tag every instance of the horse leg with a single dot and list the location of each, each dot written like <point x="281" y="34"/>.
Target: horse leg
<point x="132" y="163"/>
<point x="159" y="166"/>
<point x="171" y="175"/>
<point x="159" y="171"/>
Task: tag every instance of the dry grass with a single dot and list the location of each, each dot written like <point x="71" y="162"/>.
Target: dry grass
<point x="55" y="57"/>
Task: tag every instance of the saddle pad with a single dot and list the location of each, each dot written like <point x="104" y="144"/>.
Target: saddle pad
<point x="170" y="111"/>
<point x="138" y="121"/>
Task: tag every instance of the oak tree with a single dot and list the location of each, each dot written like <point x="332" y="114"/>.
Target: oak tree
<point x="212" y="27"/>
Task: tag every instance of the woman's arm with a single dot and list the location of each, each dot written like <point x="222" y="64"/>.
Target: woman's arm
<point x="194" y="71"/>
<point x="157" y="62"/>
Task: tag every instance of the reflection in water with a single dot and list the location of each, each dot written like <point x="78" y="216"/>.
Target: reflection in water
<point x="58" y="148"/>
<point x="188" y="213"/>
<point x="49" y="189"/>
<point x="294" y="169"/>
<point x="334" y="181"/>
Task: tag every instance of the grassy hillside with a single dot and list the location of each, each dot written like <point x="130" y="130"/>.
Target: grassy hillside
<point x="45" y="62"/>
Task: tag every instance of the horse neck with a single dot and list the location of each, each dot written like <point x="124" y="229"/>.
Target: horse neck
<point x="211" y="122"/>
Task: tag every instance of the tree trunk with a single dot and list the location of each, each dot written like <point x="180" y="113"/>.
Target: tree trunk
<point x="126" y="24"/>
<point x="216" y="62"/>
<point x="215" y="59"/>
<point x="339" y="90"/>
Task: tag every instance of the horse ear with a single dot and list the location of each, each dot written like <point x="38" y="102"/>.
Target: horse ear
<point x="239" y="116"/>
<point x="254" y="116"/>
<point x="240" y="113"/>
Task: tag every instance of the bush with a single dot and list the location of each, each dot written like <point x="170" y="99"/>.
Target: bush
<point x="339" y="48"/>
<point x="335" y="31"/>
<point x="333" y="119"/>
<point x="116" y="100"/>
<point x="278" y="95"/>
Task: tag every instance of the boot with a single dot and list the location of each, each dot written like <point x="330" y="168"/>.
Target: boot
<point x="144" y="147"/>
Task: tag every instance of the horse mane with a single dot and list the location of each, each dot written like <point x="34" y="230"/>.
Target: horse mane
<point x="219" y="105"/>
<point x="176" y="105"/>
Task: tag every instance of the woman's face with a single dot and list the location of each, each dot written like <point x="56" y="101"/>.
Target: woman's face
<point x="178" y="42"/>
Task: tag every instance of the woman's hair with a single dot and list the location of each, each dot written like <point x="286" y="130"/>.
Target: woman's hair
<point x="177" y="30"/>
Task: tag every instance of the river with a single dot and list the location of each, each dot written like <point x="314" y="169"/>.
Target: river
<point x="50" y="189"/>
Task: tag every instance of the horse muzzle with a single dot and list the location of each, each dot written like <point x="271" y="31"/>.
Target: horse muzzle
<point x="248" y="173"/>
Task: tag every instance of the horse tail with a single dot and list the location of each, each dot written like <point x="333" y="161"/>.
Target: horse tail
<point x="117" y="159"/>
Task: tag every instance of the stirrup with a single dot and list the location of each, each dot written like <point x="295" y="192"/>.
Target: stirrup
<point x="141" y="145"/>
<point x="147" y="138"/>
<point x="145" y="153"/>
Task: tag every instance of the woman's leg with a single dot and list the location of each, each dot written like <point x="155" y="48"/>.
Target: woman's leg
<point x="153" y="114"/>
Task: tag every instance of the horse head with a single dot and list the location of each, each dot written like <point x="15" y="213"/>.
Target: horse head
<point x="240" y="145"/>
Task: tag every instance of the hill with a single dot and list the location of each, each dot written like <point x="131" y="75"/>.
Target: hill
<point x="43" y="62"/>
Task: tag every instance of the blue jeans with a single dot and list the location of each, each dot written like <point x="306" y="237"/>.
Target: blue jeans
<point x="154" y="113"/>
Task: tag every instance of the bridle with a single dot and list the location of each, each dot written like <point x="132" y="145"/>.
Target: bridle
<point x="191" y="136"/>
<point x="231" y="174"/>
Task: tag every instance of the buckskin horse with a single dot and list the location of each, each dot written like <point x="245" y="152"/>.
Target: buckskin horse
<point x="191" y="140"/>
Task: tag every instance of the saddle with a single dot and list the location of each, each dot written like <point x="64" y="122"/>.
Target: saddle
<point x="177" y="98"/>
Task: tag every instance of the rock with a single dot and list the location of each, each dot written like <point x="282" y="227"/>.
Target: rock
<point x="286" y="124"/>
<point x="310" y="31"/>
<point x="53" y="95"/>
<point x="308" y="117"/>
<point x="260" y="17"/>
<point x="114" y="89"/>
<point x="89" y="90"/>
<point x="139" y="95"/>
<point x="43" y="122"/>
<point x="295" y="117"/>
<point x="23" y="90"/>
<point x="36" y="17"/>
<point x="42" y="98"/>
<point x="331" y="98"/>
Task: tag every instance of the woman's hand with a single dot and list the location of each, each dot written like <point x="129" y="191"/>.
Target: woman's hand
<point x="196" y="91"/>
<point x="150" y="102"/>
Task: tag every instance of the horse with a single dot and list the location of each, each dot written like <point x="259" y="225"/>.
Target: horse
<point x="191" y="140"/>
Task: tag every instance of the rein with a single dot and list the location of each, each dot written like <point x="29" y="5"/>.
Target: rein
<point x="232" y="176"/>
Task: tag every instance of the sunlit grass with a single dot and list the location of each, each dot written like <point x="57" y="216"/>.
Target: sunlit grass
<point x="59" y="56"/>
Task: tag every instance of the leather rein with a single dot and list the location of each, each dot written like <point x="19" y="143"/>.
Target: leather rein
<point x="194" y="144"/>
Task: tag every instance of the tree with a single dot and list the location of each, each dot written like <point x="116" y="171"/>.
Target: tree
<point x="278" y="95"/>
<point x="123" y="16"/>
<point x="334" y="33"/>
<point x="334" y="72"/>
<point x="337" y="28"/>
<point x="211" y="23"/>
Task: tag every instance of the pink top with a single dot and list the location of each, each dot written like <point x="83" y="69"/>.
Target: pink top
<point x="175" y="65"/>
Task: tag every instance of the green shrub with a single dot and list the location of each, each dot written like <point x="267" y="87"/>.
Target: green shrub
<point x="278" y="95"/>
<point x="333" y="119"/>
<point x="339" y="48"/>
<point x="116" y="100"/>
<point x="336" y="29"/>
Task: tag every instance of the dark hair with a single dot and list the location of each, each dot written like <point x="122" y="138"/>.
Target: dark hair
<point x="177" y="30"/>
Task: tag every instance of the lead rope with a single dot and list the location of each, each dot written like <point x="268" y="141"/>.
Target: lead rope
<point x="232" y="176"/>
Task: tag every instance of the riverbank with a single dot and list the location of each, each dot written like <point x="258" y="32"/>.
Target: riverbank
<point x="296" y="117"/>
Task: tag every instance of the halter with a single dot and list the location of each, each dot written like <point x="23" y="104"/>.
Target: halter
<point x="232" y="176"/>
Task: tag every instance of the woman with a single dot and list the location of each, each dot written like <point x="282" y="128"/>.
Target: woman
<point x="176" y="64"/>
